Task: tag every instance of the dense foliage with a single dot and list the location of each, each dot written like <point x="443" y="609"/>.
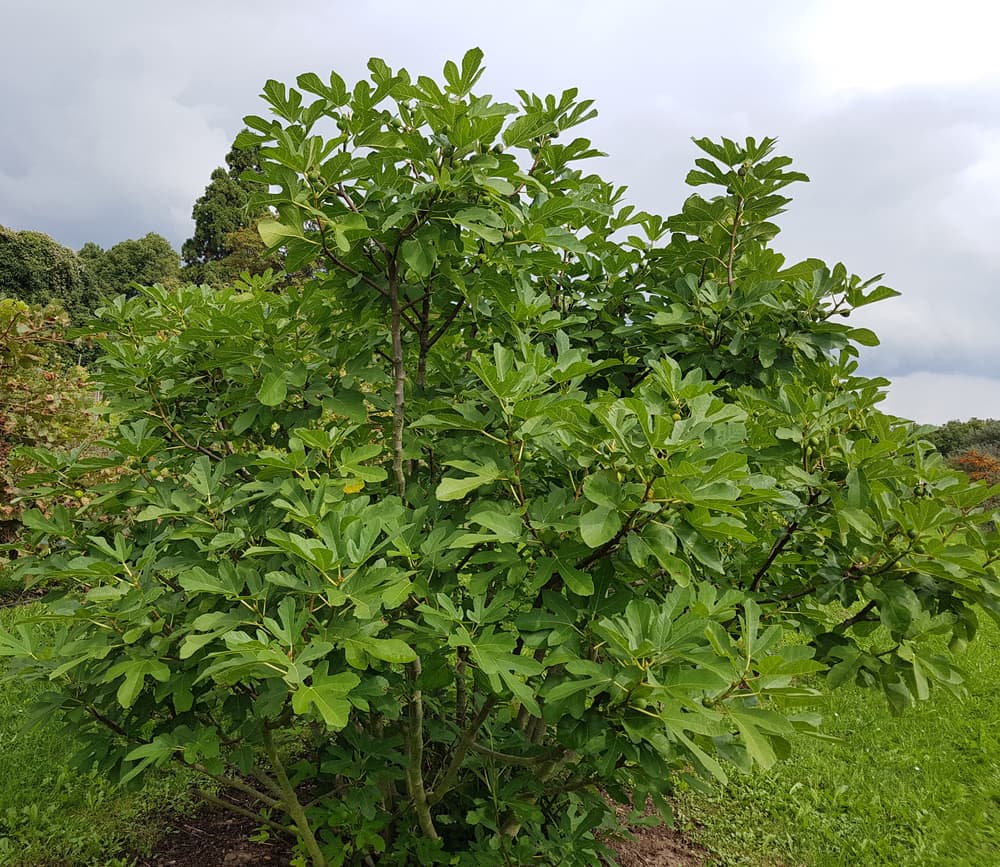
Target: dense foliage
<point x="37" y="270"/>
<point x="954" y="437"/>
<point x="145" y="260"/>
<point x="973" y="447"/>
<point x="510" y="506"/>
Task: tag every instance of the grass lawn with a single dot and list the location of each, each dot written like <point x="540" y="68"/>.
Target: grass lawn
<point x="923" y="788"/>
<point x="50" y="815"/>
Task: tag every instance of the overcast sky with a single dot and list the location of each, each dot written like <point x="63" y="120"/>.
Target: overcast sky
<point x="116" y="112"/>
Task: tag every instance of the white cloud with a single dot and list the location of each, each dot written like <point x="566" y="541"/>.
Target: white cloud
<point x="921" y="333"/>
<point x="857" y="46"/>
<point x="971" y="206"/>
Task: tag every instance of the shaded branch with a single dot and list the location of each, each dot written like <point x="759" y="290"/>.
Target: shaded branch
<point x="415" y="755"/>
<point x="780" y="543"/>
<point x="612" y="543"/>
<point x="523" y="761"/>
<point x="340" y="263"/>
<point x="243" y="811"/>
<point x="411" y="304"/>
<point x="857" y="618"/>
<point x="238" y="785"/>
<point x="730" y="259"/>
<point x="399" y="384"/>
<point x="439" y="333"/>
<point x="462" y="746"/>
<point x="290" y="802"/>
<point x="409" y="320"/>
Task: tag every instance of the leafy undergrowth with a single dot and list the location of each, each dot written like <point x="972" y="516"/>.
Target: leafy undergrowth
<point x="50" y="814"/>
<point x="923" y="788"/>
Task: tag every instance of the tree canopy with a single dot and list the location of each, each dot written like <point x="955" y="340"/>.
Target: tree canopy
<point x="225" y="241"/>
<point x="522" y="500"/>
<point x="975" y="433"/>
<point x="37" y="270"/>
<point x="145" y="260"/>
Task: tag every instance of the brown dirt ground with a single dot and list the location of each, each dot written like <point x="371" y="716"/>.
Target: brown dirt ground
<point x="659" y="847"/>
<point x="216" y="838"/>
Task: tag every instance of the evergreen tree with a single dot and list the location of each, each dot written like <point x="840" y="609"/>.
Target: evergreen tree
<point x="220" y="250"/>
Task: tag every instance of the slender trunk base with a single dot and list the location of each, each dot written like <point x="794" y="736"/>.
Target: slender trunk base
<point x="415" y="755"/>
<point x="290" y="801"/>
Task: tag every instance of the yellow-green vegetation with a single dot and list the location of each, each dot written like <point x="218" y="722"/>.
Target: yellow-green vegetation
<point x="921" y="788"/>
<point x="51" y="813"/>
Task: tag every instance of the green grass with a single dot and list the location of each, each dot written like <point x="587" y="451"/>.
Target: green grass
<point x="51" y="815"/>
<point x="923" y="788"/>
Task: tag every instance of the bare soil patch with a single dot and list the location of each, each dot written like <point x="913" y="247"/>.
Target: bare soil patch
<point x="216" y="838"/>
<point x="659" y="847"/>
<point x="656" y="845"/>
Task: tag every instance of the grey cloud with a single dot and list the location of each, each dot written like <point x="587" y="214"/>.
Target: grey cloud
<point x="118" y="112"/>
<point x="934" y="398"/>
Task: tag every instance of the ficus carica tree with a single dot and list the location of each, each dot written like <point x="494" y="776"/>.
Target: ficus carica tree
<point x="526" y="501"/>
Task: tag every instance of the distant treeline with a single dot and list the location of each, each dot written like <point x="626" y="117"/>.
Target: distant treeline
<point x="38" y="270"/>
<point x="972" y="446"/>
<point x="955" y="437"/>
